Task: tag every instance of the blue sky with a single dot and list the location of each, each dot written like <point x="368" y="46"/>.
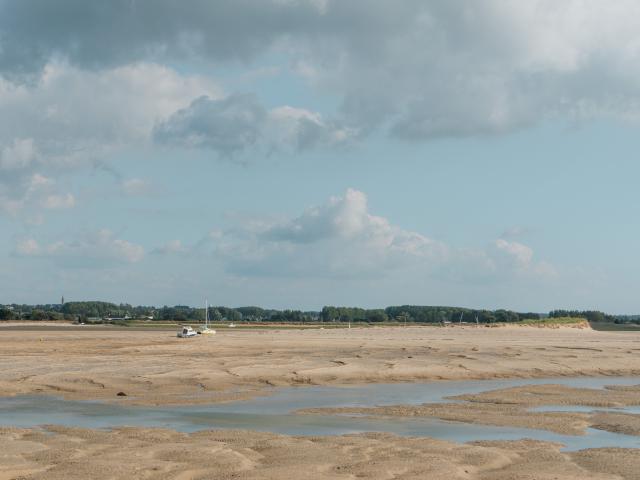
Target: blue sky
<point x="304" y="153"/>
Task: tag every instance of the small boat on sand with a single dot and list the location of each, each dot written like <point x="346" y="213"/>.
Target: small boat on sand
<point x="186" y="332"/>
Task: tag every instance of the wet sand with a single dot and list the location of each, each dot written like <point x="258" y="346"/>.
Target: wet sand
<point x="154" y="367"/>
<point x="483" y="414"/>
<point x="510" y="407"/>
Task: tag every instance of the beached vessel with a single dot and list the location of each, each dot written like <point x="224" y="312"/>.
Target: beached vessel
<point x="206" y="330"/>
<point x="186" y="332"/>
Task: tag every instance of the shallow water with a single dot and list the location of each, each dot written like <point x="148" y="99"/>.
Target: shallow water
<point x="274" y="413"/>
<point x="585" y="409"/>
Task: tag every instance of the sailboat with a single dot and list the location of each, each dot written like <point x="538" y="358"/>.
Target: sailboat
<point x="206" y="330"/>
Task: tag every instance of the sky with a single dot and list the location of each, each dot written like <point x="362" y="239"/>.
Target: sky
<point x="301" y="153"/>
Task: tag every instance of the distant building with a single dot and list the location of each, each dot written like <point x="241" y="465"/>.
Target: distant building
<point x="109" y="318"/>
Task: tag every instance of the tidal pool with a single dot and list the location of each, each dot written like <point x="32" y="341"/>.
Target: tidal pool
<point x="274" y="413"/>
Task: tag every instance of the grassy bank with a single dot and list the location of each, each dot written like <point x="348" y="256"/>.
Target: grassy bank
<point x="560" y="321"/>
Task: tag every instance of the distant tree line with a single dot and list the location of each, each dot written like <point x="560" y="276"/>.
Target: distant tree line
<point x="422" y="314"/>
<point x="31" y="312"/>
<point x="94" y="310"/>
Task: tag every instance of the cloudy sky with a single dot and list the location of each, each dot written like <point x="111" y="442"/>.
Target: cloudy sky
<point x="297" y="153"/>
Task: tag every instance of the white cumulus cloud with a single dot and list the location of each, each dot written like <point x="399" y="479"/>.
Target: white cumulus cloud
<point x="341" y="238"/>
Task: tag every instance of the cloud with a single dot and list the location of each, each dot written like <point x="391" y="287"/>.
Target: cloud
<point x="17" y="155"/>
<point x="28" y="247"/>
<point x="101" y="249"/>
<point x="518" y="253"/>
<point x="136" y="187"/>
<point x="344" y="217"/>
<point x="420" y="69"/>
<point x="457" y="69"/>
<point x="71" y="115"/>
<point x="302" y="129"/>
<point x="92" y="36"/>
<point x="172" y="247"/>
<point x="59" y="201"/>
<point x="341" y="239"/>
<point x="227" y="125"/>
<point x="71" y="118"/>
<point x="34" y="191"/>
<point x="483" y="68"/>
<point x="515" y="231"/>
<point x="235" y="123"/>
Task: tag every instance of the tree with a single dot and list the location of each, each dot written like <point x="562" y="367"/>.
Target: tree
<point x="376" y="316"/>
<point x="252" y="313"/>
<point x="39" y="315"/>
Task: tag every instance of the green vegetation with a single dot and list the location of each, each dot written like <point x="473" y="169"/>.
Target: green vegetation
<point x="590" y="315"/>
<point x="125" y="314"/>
<point x="554" y="321"/>
<point x="422" y="314"/>
<point x="600" y="320"/>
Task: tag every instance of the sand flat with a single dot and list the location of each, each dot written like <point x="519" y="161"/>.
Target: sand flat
<point x="135" y="453"/>
<point x="154" y="367"/>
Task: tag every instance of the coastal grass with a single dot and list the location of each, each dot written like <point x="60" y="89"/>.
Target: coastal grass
<point x="554" y="321"/>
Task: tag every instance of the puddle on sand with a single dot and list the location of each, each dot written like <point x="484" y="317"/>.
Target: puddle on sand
<point x="273" y="413"/>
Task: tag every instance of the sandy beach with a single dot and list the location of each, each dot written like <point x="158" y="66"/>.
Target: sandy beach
<point x="155" y="368"/>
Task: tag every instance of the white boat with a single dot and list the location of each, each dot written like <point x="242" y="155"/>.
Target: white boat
<point x="186" y="332"/>
<point x="206" y="330"/>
